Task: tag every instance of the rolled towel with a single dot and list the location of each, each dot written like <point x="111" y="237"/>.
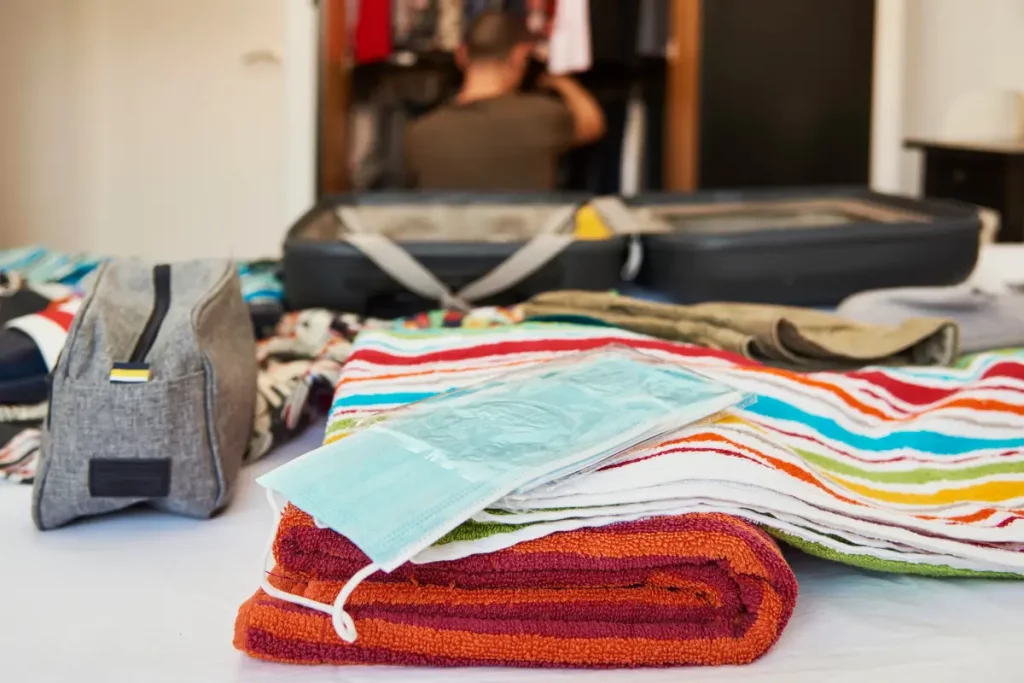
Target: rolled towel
<point x="700" y="589"/>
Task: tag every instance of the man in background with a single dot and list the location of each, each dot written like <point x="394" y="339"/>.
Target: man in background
<point x="491" y="136"/>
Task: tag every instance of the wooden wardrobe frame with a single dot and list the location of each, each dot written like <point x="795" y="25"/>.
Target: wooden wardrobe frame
<point x="682" y="102"/>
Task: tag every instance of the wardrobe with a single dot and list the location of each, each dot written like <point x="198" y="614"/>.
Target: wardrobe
<point x="748" y="95"/>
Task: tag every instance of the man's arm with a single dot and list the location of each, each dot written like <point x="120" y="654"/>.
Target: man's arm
<point x="587" y="116"/>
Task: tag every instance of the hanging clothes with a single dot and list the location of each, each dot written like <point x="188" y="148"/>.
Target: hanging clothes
<point x="569" y="49"/>
<point x="449" y="25"/>
<point x="517" y="7"/>
<point x="632" y="169"/>
<point x="401" y="22"/>
<point x="386" y="97"/>
<point x="473" y="8"/>
<point x="351" y="19"/>
<point x="653" y="87"/>
<point x="415" y="25"/>
<point x="597" y="167"/>
<point x="540" y="16"/>
<point x="365" y="163"/>
<point x="652" y="32"/>
<point x="614" y="25"/>
<point x="373" y="31"/>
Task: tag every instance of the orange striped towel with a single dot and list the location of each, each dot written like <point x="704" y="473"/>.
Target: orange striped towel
<point x="699" y="589"/>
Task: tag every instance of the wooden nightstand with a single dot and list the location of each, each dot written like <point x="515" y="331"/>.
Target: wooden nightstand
<point x="985" y="173"/>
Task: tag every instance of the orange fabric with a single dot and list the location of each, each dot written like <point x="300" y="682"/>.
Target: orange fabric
<point x="376" y="633"/>
<point x="704" y="544"/>
<point x="690" y="594"/>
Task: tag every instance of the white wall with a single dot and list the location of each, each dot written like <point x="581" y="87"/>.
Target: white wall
<point x="955" y="47"/>
<point x="889" y="88"/>
<point x="152" y="127"/>
<point x="136" y="126"/>
<point x="40" y="152"/>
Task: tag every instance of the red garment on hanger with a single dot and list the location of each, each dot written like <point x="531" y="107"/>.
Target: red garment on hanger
<point x="540" y="15"/>
<point x="373" y="31"/>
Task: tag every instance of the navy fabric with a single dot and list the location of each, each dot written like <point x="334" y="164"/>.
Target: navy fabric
<point x="20" y="358"/>
<point x="27" y="391"/>
<point x="22" y="302"/>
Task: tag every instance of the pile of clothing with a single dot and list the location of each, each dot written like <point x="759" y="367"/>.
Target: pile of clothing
<point x="578" y="31"/>
<point x="914" y="465"/>
<point x="871" y="445"/>
<point x="40" y="292"/>
<point x="300" y="354"/>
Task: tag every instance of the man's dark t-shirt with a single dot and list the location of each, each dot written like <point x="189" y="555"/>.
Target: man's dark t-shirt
<point x="511" y="142"/>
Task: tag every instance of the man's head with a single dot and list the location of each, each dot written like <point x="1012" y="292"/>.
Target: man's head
<point x="500" y="43"/>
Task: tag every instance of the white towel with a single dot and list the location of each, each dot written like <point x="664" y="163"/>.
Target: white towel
<point x="569" y="46"/>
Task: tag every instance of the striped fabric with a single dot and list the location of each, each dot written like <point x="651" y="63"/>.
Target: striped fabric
<point x="39" y="265"/>
<point x="671" y="591"/>
<point x="917" y="471"/>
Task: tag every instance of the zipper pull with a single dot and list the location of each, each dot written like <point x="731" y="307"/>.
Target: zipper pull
<point x="136" y="369"/>
<point x="129" y="373"/>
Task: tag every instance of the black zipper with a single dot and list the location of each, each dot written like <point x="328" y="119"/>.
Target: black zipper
<point x="161" y="304"/>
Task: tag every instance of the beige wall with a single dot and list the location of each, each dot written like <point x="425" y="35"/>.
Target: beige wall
<point x="955" y="47"/>
<point x="143" y="126"/>
<point x="40" y="151"/>
<point x="136" y="126"/>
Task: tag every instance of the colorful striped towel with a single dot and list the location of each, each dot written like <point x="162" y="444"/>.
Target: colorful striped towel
<point x="671" y="591"/>
<point x="917" y="471"/>
<point x="39" y="265"/>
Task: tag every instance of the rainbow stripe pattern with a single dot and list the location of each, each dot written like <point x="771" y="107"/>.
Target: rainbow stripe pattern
<point x="901" y="470"/>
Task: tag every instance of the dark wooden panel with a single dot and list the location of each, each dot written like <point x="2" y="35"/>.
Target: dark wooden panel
<point x="332" y="143"/>
<point x="682" y="120"/>
<point x="786" y="92"/>
<point x="987" y="175"/>
<point x="968" y="176"/>
<point x="1013" y="211"/>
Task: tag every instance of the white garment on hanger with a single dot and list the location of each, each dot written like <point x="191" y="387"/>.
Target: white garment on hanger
<point x="351" y="15"/>
<point x="449" y="25"/>
<point x="363" y="161"/>
<point x="631" y="179"/>
<point x="569" y="46"/>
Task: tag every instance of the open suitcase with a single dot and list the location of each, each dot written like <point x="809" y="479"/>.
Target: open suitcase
<point x="392" y="254"/>
<point x="807" y="247"/>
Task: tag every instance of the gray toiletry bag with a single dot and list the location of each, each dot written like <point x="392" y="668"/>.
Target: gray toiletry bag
<point x="152" y="400"/>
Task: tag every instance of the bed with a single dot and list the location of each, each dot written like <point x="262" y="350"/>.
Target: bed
<point x="143" y="596"/>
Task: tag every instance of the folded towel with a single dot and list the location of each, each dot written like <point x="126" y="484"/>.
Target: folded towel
<point x="987" y="319"/>
<point x="787" y="336"/>
<point x="903" y="470"/>
<point x="696" y="589"/>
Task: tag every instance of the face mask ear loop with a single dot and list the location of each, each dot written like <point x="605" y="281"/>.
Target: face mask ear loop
<point x="343" y="624"/>
<point x="268" y="557"/>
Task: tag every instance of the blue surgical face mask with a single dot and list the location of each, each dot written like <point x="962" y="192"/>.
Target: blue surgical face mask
<point x="400" y="484"/>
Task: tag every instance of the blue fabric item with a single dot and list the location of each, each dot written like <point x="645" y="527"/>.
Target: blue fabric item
<point x="260" y="282"/>
<point x="38" y="265"/>
<point x="20" y="359"/>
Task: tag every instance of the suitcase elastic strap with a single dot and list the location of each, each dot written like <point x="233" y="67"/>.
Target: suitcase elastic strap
<point x="548" y="243"/>
<point x="618" y="219"/>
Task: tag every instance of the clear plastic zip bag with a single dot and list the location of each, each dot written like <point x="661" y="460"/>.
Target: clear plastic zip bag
<point x="413" y="474"/>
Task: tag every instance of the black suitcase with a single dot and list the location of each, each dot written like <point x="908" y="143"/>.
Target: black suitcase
<point x="805" y="247"/>
<point x="324" y="268"/>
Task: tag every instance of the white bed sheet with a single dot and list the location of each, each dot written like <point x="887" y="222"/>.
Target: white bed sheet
<point x="142" y="596"/>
